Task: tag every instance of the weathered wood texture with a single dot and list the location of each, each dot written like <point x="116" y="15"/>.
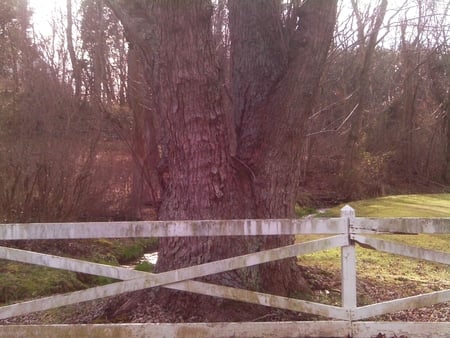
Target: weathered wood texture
<point x="307" y="225"/>
<point x="412" y="302"/>
<point x="226" y="330"/>
<point x="194" y="330"/>
<point x="409" y="225"/>
<point x="348" y="264"/>
<point x="149" y="280"/>
<point x="403" y="250"/>
<point x="399" y="329"/>
<point x="248" y="227"/>
<point x="349" y="229"/>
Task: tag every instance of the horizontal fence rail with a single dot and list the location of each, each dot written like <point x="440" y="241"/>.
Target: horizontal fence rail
<point x="406" y="225"/>
<point x="267" y="227"/>
<point x="347" y="231"/>
<point x="226" y="330"/>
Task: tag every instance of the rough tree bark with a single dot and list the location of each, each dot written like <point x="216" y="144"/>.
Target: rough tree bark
<point x="146" y="182"/>
<point x="275" y="79"/>
<point x="230" y="161"/>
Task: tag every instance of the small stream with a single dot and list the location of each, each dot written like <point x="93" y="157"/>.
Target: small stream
<point x="151" y="257"/>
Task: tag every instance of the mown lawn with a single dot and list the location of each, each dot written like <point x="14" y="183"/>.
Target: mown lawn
<point x="403" y="276"/>
<point x="433" y="205"/>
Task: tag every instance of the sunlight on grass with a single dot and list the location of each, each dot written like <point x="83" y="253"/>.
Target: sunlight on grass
<point x="385" y="267"/>
<point x="434" y="205"/>
<point x="382" y="266"/>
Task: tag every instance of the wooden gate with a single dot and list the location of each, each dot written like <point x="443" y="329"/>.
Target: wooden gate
<point x="346" y="320"/>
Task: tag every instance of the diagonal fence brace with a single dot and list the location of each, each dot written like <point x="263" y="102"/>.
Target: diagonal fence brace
<point x="170" y="277"/>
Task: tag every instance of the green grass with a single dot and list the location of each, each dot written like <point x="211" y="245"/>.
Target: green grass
<point x="433" y="205"/>
<point x="144" y="266"/>
<point x="393" y="270"/>
<point x="20" y="281"/>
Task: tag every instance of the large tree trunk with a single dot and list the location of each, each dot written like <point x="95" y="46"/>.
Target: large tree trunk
<point x="276" y="77"/>
<point x="225" y="162"/>
<point x="202" y="181"/>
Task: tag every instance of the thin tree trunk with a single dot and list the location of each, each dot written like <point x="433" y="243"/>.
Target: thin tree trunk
<point x="76" y="71"/>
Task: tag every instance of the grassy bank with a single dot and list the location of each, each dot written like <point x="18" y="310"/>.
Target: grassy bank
<point x="25" y="281"/>
<point x="400" y="276"/>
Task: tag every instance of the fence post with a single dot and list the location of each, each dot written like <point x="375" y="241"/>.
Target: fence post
<point x="348" y="266"/>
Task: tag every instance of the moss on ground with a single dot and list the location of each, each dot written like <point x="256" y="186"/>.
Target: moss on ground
<point x="25" y="281"/>
<point x="22" y="281"/>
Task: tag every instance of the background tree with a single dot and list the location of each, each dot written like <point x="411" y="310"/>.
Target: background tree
<point x="98" y="32"/>
<point x="367" y="42"/>
<point x="41" y="119"/>
<point x="381" y="160"/>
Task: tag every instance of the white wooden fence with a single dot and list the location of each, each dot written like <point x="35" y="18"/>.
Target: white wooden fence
<point x="345" y="320"/>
